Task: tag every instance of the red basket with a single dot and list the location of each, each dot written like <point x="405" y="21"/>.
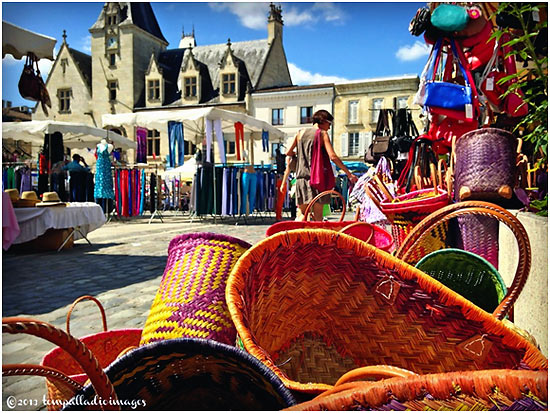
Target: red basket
<point x="369" y="233"/>
<point x="106" y="346"/>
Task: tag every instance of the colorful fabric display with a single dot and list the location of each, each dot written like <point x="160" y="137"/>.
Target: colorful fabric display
<point x="239" y="138"/>
<point x="175" y="137"/>
<point x="141" y="138"/>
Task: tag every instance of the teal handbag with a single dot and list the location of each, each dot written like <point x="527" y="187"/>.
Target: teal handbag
<point x="449" y="17"/>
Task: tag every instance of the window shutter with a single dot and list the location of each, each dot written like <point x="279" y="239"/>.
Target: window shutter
<point x="344" y="144"/>
<point x="361" y="148"/>
<point x="366" y="141"/>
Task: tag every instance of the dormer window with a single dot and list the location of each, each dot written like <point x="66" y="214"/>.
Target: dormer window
<point x="153" y="89"/>
<point x="228" y="84"/>
<point x="190" y="87"/>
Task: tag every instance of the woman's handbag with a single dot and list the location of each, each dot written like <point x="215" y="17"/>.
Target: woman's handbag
<point x="321" y="174"/>
<point x="31" y="86"/>
<point x="382" y="144"/>
<point x="313" y="304"/>
<point x="446" y="94"/>
<point x="450" y="18"/>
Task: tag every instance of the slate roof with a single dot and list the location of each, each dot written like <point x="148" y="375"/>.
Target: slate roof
<point x="169" y="61"/>
<point x="253" y="53"/>
<point x="84" y="63"/>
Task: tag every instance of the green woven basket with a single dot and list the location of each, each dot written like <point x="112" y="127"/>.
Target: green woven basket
<point x="468" y="274"/>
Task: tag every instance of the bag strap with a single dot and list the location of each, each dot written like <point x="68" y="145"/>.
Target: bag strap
<point x="319" y="196"/>
<point x="86" y="297"/>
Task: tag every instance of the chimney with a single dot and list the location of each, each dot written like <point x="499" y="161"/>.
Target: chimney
<point x="274" y="23"/>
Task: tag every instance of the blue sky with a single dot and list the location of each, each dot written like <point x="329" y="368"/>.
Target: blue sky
<point x="324" y="42"/>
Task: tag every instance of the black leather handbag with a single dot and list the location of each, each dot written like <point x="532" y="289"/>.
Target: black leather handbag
<point x="382" y="144"/>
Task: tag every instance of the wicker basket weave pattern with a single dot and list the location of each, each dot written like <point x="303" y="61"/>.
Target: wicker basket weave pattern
<point x="190" y="301"/>
<point x="303" y="289"/>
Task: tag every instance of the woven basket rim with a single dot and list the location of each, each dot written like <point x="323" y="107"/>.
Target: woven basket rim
<point x="438" y="385"/>
<point x="234" y="299"/>
<point x="206" y="235"/>
<point x="192" y="346"/>
<point x="484" y="131"/>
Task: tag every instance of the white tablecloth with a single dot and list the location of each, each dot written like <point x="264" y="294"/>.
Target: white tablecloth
<point x="34" y="222"/>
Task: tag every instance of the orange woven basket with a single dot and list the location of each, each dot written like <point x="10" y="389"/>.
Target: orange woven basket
<point x="314" y="304"/>
<point x="457" y="391"/>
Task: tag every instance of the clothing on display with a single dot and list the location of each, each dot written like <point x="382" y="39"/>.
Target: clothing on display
<point x="265" y="141"/>
<point x="175" y="139"/>
<point x="130" y="191"/>
<point x="103" y="176"/>
<point x="141" y="139"/>
<point x="239" y="138"/>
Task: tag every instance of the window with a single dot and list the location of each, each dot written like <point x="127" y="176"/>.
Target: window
<point x="190" y="87"/>
<point x="112" y="59"/>
<point x="64" y="64"/>
<point x="353" y="112"/>
<point x="64" y="96"/>
<point x="112" y="85"/>
<point x="190" y="148"/>
<point x="230" y="147"/>
<point x="306" y="114"/>
<point x="402" y="102"/>
<point x="111" y="20"/>
<point x="276" y="116"/>
<point x="228" y="84"/>
<point x="153" y="143"/>
<point x="153" y="89"/>
<point x="376" y="106"/>
<point x="353" y="144"/>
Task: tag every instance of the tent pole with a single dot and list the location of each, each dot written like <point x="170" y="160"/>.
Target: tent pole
<point x="214" y="171"/>
<point x="50" y="163"/>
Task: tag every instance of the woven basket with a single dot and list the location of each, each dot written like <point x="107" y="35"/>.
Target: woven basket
<point x="190" y="301"/>
<point x="314" y="304"/>
<point x="406" y="211"/>
<point x="76" y="348"/>
<point x="370" y="233"/>
<point x="192" y="374"/>
<point x="467" y="274"/>
<point x="106" y="347"/>
<point x="414" y="246"/>
<point x="485" y="165"/>
<point x="457" y="391"/>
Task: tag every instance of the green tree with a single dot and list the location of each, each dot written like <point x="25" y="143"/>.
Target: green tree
<point x="532" y="79"/>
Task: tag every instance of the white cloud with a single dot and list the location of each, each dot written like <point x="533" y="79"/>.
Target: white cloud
<point x="254" y="15"/>
<point x="86" y="43"/>
<point x="303" y="77"/>
<point x="9" y="60"/>
<point x="414" y="52"/>
<point x="44" y="65"/>
<point x="251" y="15"/>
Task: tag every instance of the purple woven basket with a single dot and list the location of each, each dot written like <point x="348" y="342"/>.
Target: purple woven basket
<point x="190" y="301"/>
<point x="485" y="165"/>
<point x="479" y="235"/>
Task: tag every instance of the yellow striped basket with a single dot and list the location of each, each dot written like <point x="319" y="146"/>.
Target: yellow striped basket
<point x="190" y="301"/>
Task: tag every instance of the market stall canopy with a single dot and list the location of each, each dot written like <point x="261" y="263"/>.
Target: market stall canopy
<point x="75" y="135"/>
<point x="191" y="118"/>
<point x="18" y="42"/>
<point x="185" y="172"/>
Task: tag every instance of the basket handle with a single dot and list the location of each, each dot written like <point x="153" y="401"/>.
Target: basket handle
<point x="41" y="371"/>
<point x="86" y="297"/>
<point x="319" y="196"/>
<point x="368" y="227"/>
<point x="76" y="348"/>
<point x="377" y="372"/>
<point x="478" y="208"/>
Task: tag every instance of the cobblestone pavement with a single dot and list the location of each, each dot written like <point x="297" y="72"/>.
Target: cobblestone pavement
<point x="122" y="268"/>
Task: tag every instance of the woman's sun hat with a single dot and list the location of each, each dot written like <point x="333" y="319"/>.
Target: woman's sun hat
<point x="28" y="199"/>
<point x="50" y="199"/>
<point x="14" y="194"/>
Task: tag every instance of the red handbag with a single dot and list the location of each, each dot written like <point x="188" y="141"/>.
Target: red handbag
<point x="321" y="174"/>
<point x="480" y="54"/>
<point x="443" y="133"/>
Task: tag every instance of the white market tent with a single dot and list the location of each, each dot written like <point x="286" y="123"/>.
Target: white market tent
<point x="18" y="42"/>
<point x="75" y="135"/>
<point x="185" y="172"/>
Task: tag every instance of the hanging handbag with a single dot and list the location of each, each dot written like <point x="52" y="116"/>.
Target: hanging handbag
<point x="450" y="18"/>
<point x="446" y="94"/>
<point x="31" y="86"/>
<point x="321" y="174"/>
<point x="420" y="21"/>
<point x="404" y="130"/>
<point x="382" y="144"/>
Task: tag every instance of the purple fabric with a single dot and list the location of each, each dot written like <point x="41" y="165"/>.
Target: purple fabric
<point x="141" y="138"/>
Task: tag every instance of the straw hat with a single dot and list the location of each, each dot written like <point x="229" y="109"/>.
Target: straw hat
<point x="28" y="199"/>
<point x="50" y="199"/>
<point x="13" y="193"/>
